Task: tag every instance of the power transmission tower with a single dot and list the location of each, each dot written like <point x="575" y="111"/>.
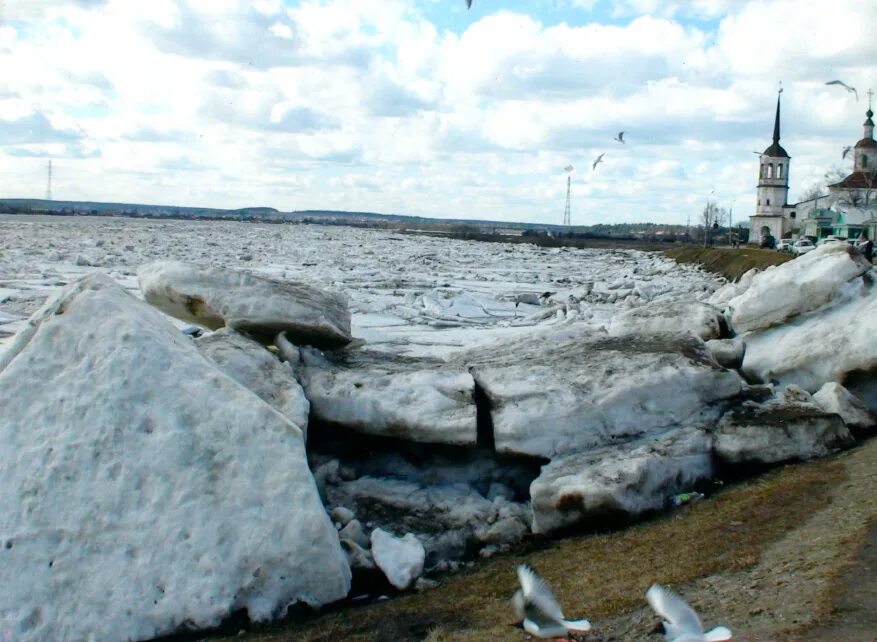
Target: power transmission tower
<point x="49" y="182"/>
<point x="566" y="210"/>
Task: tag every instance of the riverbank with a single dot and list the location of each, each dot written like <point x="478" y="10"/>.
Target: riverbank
<point x="730" y="263"/>
<point x="769" y="557"/>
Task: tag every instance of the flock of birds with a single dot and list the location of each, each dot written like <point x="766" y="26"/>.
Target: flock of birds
<point x="539" y="613"/>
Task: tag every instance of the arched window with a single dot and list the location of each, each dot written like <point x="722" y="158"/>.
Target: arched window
<point x="864" y="161"/>
<point x="761" y="171"/>
<point x="779" y="170"/>
<point x="770" y="172"/>
<point x="768" y="202"/>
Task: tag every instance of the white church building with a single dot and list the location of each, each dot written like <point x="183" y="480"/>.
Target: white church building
<point x="849" y="208"/>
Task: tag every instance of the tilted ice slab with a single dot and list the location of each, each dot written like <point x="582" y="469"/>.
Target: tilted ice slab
<point x="141" y="489"/>
<point x="824" y="345"/>
<point x="418" y="399"/>
<point x="569" y="390"/>
<point x="698" y="318"/>
<point x="252" y="366"/>
<point x="803" y="284"/>
<point x="630" y="477"/>
<point x="259" y="306"/>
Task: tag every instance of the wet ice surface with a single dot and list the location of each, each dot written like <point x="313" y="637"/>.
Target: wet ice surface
<point x="413" y="295"/>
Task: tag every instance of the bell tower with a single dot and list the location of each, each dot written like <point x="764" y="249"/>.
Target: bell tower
<point x="773" y="174"/>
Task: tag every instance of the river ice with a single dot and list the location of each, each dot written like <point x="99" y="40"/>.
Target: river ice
<point x="412" y="295"/>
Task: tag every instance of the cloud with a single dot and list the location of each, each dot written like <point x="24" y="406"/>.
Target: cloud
<point x="226" y="78"/>
<point x="34" y="128"/>
<point x="388" y="98"/>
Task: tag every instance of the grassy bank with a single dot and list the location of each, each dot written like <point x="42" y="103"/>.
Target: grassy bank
<point x="728" y="262"/>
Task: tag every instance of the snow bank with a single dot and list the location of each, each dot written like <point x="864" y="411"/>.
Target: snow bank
<point x="700" y="319"/>
<point x="417" y="399"/>
<point x="564" y="391"/>
<point x="803" y="284"/>
<point x="263" y="307"/>
<point x="631" y="477"/>
<point x="252" y="366"/>
<point x="141" y="489"/>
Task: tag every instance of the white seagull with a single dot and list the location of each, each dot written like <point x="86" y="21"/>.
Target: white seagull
<point x="619" y="138"/>
<point x="536" y="606"/>
<point x="598" y="161"/>
<point x="847" y="150"/>
<point x="681" y="623"/>
<point x="852" y="90"/>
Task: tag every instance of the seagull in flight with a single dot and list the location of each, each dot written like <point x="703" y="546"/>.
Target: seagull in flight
<point x="619" y="138"/>
<point x="852" y="90"/>
<point x="538" y="610"/>
<point x="598" y="161"/>
<point x="681" y="623"/>
<point x="847" y="150"/>
<point x="468" y="4"/>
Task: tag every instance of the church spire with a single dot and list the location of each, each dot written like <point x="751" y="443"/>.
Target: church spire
<point x="776" y="122"/>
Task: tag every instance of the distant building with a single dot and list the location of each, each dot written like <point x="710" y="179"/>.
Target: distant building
<point x="849" y="208"/>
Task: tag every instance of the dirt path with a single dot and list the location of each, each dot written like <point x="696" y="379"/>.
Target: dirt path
<point x="790" y="556"/>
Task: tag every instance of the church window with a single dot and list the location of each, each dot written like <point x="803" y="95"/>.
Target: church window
<point x="770" y="172"/>
<point x="768" y="202"/>
<point x="864" y="161"/>
<point x="779" y="171"/>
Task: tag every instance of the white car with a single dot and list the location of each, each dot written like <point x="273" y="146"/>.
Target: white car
<point x="785" y="245"/>
<point x="803" y="246"/>
<point x="829" y="239"/>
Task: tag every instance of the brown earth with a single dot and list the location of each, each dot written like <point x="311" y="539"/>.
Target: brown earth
<point x="729" y="263"/>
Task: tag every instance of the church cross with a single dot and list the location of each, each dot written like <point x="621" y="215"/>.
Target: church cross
<point x="870" y="93"/>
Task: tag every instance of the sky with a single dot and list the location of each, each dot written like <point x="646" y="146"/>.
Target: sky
<point x="422" y="107"/>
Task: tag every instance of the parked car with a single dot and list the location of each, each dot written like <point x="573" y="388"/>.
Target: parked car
<point x="785" y="245"/>
<point x="802" y="246"/>
<point x="831" y="238"/>
<point x="768" y="242"/>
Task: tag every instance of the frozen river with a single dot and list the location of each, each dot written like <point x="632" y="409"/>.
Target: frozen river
<point x="415" y="295"/>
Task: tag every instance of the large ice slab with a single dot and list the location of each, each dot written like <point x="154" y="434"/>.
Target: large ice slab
<point x="141" y="489"/>
<point x="828" y="344"/>
<point x="569" y="390"/>
<point x="806" y="283"/>
<point x="254" y="367"/>
<point x="630" y="477"/>
<point x="417" y="399"/>
<point x="779" y="430"/>
<point x="834" y="398"/>
<point x="698" y="318"/>
<point x="259" y="306"/>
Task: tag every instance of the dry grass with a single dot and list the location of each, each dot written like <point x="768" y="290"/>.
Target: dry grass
<point x="597" y="575"/>
<point x="730" y="263"/>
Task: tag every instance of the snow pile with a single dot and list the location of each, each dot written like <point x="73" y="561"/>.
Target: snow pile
<point x="724" y="294"/>
<point x="568" y="391"/>
<point x="214" y="297"/>
<point x="418" y="399"/>
<point x="806" y="283"/>
<point x="141" y="489"/>
<point x="697" y="318"/>
<point x="400" y="558"/>
<point x="252" y="366"/>
<point x="631" y="477"/>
